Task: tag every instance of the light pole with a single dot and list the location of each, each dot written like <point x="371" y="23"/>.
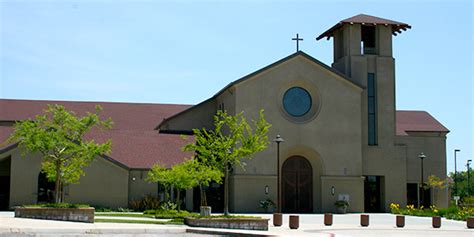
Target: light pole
<point x="468" y="177"/>
<point x="455" y="173"/>
<point x="422" y="156"/>
<point x="277" y="218"/>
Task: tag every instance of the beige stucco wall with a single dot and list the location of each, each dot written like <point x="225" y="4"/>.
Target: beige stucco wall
<point x="329" y="138"/>
<point x="139" y="187"/>
<point x="104" y="184"/>
<point x="199" y="116"/>
<point x="433" y="145"/>
<point x="343" y="185"/>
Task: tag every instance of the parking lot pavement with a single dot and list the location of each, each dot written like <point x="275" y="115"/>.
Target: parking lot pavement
<point x="345" y="225"/>
<point x="310" y="225"/>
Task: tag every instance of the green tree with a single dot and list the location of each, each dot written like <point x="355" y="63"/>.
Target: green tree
<point x="183" y="176"/>
<point x="58" y="135"/>
<point x="465" y="184"/>
<point x="435" y="183"/>
<point x="231" y="140"/>
<point x="203" y="175"/>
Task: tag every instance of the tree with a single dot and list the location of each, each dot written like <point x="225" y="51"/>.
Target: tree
<point x="436" y="183"/>
<point x="231" y="140"/>
<point x="58" y="135"/>
<point x="203" y="175"/>
<point x="465" y="188"/>
<point x="183" y="176"/>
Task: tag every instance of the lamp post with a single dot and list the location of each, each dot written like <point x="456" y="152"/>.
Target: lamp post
<point x="422" y="156"/>
<point x="455" y="172"/>
<point x="468" y="177"/>
<point x="277" y="218"/>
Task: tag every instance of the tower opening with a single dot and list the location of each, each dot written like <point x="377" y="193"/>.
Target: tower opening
<point x="368" y="40"/>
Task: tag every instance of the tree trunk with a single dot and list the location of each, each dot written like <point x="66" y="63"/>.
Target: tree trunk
<point x="57" y="185"/>
<point x="178" y="202"/>
<point x="226" y="191"/>
<point x="203" y="196"/>
<point x="62" y="191"/>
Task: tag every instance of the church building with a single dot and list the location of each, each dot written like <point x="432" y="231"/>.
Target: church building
<point x="343" y="137"/>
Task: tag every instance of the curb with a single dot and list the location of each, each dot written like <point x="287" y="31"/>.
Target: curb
<point x="226" y="233"/>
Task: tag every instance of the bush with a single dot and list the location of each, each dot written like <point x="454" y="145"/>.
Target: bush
<point x="168" y="206"/>
<point x="341" y="203"/>
<point x="99" y="208"/>
<point x="267" y="204"/>
<point x="170" y="214"/>
<point x="452" y="212"/>
<point x="147" y="203"/>
<point x="468" y="200"/>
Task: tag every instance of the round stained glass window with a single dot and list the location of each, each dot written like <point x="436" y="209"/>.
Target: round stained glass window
<point x="297" y="101"/>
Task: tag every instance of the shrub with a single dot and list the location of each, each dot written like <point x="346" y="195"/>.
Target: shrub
<point x="341" y="203"/>
<point x="174" y="214"/>
<point x="147" y="203"/>
<point x="168" y="206"/>
<point x="267" y="204"/>
<point x="452" y="212"/>
<point x="468" y="200"/>
<point x="99" y="208"/>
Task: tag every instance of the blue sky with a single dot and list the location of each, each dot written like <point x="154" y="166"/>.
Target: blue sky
<point x="185" y="51"/>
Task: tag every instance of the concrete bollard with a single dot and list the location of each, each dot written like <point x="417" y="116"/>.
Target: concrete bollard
<point x="294" y="222"/>
<point x="400" y="221"/>
<point x="436" y="221"/>
<point x="277" y="219"/>
<point x="364" y="220"/>
<point x="470" y="222"/>
<point x="327" y="219"/>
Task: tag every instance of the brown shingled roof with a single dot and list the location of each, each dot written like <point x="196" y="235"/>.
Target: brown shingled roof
<point x="135" y="143"/>
<point x="417" y="121"/>
<point x="366" y="19"/>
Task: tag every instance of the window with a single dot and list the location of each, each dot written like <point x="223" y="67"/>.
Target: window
<point x="372" y="108"/>
<point x="368" y="39"/>
<point x="221" y="106"/>
<point x="297" y="101"/>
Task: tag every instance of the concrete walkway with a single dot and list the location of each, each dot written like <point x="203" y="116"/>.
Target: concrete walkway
<point x="310" y="225"/>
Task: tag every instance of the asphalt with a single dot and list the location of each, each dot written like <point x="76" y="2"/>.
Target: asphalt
<point x="347" y="225"/>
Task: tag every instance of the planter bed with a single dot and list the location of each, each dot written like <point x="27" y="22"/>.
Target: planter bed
<point x="59" y="214"/>
<point x="228" y="223"/>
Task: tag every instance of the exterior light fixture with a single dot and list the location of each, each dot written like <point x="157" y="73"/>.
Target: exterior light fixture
<point x="455" y="172"/>
<point x="277" y="217"/>
<point x="333" y="190"/>
<point x="266" y="189"/>
<point x="422" y="156"/>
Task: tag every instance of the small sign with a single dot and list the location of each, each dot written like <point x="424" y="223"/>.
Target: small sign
<point x="456" y="198"/>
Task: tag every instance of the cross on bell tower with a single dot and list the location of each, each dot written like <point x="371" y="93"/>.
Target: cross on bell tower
<point x="297" y="39"/>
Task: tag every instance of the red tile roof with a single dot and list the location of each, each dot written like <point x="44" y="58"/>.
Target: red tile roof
<point x="417" y="121"/>
<point x="366" y="19"/>
<point x="134" y="142"/>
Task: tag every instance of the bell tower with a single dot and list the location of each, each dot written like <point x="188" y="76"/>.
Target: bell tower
<point x="363" y="52"/>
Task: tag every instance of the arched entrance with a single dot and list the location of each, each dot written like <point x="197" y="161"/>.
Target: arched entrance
<point x="297" y="185"/>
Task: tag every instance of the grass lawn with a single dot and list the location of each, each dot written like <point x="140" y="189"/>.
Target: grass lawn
<point x="229" y="217"/>
<point x="171" y="222"/>
<point x="125" y="214"/>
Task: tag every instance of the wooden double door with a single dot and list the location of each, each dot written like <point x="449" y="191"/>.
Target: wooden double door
<point x="297" y="185"/>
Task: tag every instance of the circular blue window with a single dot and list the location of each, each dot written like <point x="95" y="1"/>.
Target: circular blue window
<point x="297" y="101"/>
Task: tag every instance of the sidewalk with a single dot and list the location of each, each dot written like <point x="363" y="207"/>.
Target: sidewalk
<point x="310" y="225"/>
